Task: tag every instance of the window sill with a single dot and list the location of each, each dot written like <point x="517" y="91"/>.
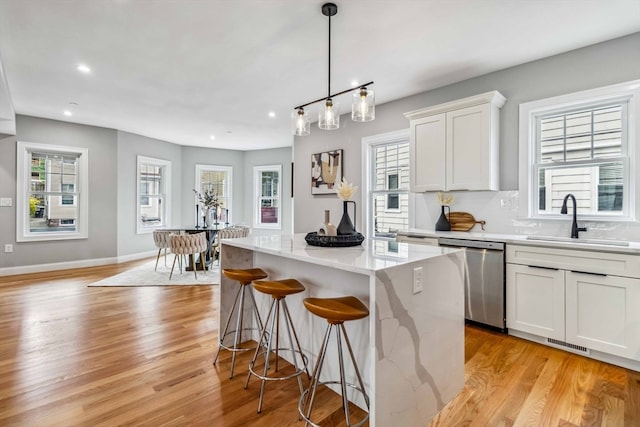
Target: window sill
<point x="48" y="237"/>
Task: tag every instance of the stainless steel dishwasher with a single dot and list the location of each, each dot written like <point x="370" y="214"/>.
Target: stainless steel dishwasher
<point x="484" y="285"/>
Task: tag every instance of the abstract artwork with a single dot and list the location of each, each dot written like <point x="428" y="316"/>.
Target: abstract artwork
<point x="326" y="170"/>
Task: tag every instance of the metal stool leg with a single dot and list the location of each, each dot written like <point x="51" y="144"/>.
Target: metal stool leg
<point x="355" y="366"/>
<point x="272" y="322"/>
<point x="305" y="405"/>
<point x="226" y="327"/>
<point x="290" y="328"/>
<point x="238" y="335"/>
<point x="310" y="394"/>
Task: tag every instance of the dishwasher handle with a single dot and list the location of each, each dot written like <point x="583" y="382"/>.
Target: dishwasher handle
<point x="477" y="244"/>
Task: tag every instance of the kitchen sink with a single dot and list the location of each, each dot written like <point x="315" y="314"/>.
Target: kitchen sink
<point x="584" y="241"/>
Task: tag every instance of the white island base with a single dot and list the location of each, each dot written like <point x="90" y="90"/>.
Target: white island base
<point x="410" y="350"/>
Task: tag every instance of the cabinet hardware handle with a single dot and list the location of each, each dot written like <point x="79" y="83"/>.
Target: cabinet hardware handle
<point x="544" y="268"/>
<point x="590" y="273"/>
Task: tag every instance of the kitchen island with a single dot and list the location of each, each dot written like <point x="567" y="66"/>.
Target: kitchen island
<point x="410" y="349"/>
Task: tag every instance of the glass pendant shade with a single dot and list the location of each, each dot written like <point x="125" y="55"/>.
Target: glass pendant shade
<point x="363" y="107"/>
<point x="329" y="115"/>
<point x="300" y="123"/>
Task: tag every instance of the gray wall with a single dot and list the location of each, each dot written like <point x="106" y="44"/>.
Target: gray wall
<point x="277" y="156"/>
<point x="129" y="147"/>
<point x="112" y="188"/>
<point x="102" y="147"/>
<point x="594" y="66"/>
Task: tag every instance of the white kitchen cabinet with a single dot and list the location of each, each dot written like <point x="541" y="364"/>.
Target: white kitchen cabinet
<point x="536" y="300"/>
<point x="588" y="299"/>
<point x="603" y="313"/>
<point x="455" y="146"/>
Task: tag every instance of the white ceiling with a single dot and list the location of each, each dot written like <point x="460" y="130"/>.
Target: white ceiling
<point x="182" y="70"/>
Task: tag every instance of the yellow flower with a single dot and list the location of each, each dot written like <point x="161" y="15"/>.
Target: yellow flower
<point x="445" y="199"/>
<point x="344" y="190"/>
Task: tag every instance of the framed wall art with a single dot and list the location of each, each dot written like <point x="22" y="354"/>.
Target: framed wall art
<point x="326" y="170"/>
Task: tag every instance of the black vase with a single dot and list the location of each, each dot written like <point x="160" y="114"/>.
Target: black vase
<point x="346" y="226"/>
<point x="443" y="223"/>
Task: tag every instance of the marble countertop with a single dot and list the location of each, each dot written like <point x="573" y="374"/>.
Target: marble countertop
<point x="545" y="241"/>
<point x="367" y="258"/>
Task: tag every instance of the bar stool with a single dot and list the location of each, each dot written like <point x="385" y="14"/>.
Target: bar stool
<point x="244" y="278"/>
<point x="336" y="311"/>
<point x="278" y="289"/>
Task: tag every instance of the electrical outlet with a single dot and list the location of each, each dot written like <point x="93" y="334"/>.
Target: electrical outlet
<point x="417" y="280"/>
<point x="8" y="248"/>
<point x="6" y="202"/>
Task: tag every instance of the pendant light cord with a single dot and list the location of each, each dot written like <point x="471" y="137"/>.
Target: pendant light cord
<point x="329" y="79"/>
<point x="328" y="10"/>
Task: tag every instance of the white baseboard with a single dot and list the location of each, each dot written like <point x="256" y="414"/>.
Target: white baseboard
<point x="39" y="268"/>
<point x="140" y="255"/>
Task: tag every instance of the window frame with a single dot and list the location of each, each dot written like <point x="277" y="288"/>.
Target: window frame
<point x="367" y="146"/>
<point x="529" y="166"/>
<point x="23" y="188"/>
<point x="257" y="196"/>
<point x="228" y="187"/>
<point x="164" y="191"/>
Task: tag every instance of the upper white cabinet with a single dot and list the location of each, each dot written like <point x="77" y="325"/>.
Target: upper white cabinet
<point x="455" y="146"/>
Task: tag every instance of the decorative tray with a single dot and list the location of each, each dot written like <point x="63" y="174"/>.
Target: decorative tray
<point x="341" y="241"/>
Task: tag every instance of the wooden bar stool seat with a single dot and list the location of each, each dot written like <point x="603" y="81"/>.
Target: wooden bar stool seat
<point x="336" y="311"/>
<point x="244" y="277"/>
<point x="279" y="290"/>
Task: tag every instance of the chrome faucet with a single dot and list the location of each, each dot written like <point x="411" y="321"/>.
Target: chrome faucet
<point x="574" y="225"/>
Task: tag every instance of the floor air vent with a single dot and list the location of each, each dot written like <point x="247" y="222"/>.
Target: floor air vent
<point x="568" y="346"/>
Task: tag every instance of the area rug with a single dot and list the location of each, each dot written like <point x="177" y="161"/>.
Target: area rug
<point x="144" y="275"/>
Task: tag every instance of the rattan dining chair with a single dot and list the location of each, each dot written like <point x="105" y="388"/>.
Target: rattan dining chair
<point x="228" y="233"/>
<point x="192" y="245"/>
<point x="161" y="239"/>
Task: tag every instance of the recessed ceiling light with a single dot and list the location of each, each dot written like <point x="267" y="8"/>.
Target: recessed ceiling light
<point x="67" y="113"/>
<point x="272" y="114"/>
<point x="354" y="83"/>
<point x="83" y="69"/>
<point x="212" y="137"/>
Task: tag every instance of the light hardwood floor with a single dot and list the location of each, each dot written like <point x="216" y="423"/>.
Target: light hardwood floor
<point x="72" y="355"/>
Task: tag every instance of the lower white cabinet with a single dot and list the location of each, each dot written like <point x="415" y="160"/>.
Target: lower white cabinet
<point x="603" y="313"/>
<point x="535" y="300"/>
<point x="585" y="308"/>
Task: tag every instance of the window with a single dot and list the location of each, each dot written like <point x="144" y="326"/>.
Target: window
<point x="216" y="179"/>
<point x="154" y="178"/>
<point x="583" y="144"/>
<point x="387" y="184"/>
<point x="52" y="192"/>
<point x="268" y="189"/>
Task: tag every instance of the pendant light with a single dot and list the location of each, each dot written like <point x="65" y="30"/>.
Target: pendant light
<point x="300" y="123"/>
<point x="362" y="106"/>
